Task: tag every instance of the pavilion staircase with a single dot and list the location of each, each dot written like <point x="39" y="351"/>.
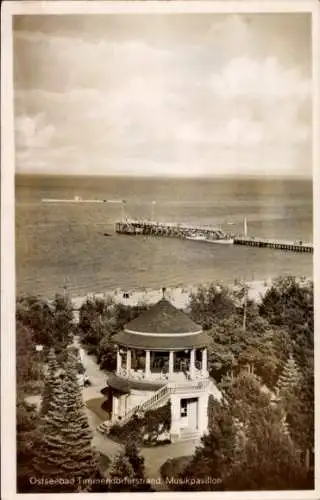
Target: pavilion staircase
<point x="159" y="398"/>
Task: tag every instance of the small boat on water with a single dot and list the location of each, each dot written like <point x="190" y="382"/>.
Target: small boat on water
<point x="228" y="241"/>
<point x="201" y="237"/>
<point x="197" y="237"/>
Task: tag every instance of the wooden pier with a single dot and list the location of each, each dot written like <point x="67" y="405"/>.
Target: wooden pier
<point x="173" y="229"/>
<point x="176" y="230"/>
<point x="294" y="246"/>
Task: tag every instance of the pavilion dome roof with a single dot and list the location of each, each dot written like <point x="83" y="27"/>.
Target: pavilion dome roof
<point x="163" y="318"/>
<point x="162" y="327"/>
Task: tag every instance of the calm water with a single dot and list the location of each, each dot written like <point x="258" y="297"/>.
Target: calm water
<point x="59" y="245"/>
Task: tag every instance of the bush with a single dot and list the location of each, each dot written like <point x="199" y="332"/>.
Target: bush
<point x="172" y="468"/>
<point x="145" y="429"/>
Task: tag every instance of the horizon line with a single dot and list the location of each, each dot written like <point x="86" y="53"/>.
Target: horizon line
<point x="168" y="176"/>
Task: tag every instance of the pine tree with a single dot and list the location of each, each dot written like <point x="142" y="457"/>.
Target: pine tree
<point x="27" y="438"/>
<point x="127" y="472"/>
<point x="289" y="379"/>
<point x="64" y="454"/>
<point x="51" y="381"/>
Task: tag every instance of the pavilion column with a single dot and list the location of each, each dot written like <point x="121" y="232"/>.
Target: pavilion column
<point x="204" y="361"/>
<point x="128" y="366"/>
<point x="192" y="362"/>
<point x="118" y="360"/>
<point x="147" y="367"/>
<point x="171" y="362"/>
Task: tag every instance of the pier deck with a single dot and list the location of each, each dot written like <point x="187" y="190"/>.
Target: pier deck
<point x="294" y="246"/>
<point x="176" y="230"/>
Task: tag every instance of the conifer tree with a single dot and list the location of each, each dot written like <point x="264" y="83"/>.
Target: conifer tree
<point x="27" y="438"/>
<point x="289" y="379"/>
<point x="65" y="453"/>
<point x="51" y="381"/>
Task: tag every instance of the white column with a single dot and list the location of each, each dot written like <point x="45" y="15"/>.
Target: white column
<point x="204" y="361"/>
<point x="203" y="413"/>
<point x="192" y="362"/>
<point x="175" y="417"/>
<point x="118" y="360"/>
<point x="115" y="406"/>
<point x="128" y="366"/>
<point x="147" y="367"/>
<point x="171" y="362"/>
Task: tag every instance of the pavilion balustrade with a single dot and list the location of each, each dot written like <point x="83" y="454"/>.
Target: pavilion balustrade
<point x="156" y="364"/>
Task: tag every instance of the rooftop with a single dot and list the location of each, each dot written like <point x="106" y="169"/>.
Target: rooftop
<point x="163" y="318"/>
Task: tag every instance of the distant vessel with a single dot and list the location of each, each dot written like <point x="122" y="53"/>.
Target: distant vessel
<point x="76" y="199"/>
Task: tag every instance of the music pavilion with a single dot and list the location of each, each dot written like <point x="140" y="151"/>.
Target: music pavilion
<point x="162" y="356"/>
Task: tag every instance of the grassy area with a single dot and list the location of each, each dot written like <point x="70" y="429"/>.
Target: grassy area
<point x="95" y="406"/>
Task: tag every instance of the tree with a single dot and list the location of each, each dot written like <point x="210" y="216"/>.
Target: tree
<point x="95" y="321"/>
<point x="37" y="315"/>
<point x="127" y="472"/>
<point x="51" y="383"/>
<point x="214" y="457"/>
<point x="65" y="453"/>
<point x="269" y="461"/>
<point x="300" y="415"/>
<point x="27" y="368"/>
<point x="63" y="327"/>
<point x="27" y="441"/>
<point x="257" y="347"/>
<point x="289" y="303"/>
<point x="247" y="447"/>
<point x="107" y="354"/>
<point x="289" y="379"/>
<point x="210" y="304"/>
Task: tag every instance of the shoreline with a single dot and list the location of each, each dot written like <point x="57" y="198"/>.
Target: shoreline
<point x="178" y="296"/>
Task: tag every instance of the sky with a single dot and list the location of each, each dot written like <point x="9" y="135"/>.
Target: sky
<point x="170" y="94"/>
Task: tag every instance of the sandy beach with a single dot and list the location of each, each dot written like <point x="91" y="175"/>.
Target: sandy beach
<point x="179" y="296"/>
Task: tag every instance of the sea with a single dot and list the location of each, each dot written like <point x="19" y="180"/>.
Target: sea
<point x="64" y="245"/>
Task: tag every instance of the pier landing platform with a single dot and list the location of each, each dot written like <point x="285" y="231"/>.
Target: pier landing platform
<point x="153" y="228"/>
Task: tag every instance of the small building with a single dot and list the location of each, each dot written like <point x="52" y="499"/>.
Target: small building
<point x="162" y="356"/>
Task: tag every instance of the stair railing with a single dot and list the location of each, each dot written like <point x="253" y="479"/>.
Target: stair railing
<point x="161" y="394"/>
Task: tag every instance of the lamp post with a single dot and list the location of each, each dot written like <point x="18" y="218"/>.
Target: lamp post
<point x="39" y="349"/>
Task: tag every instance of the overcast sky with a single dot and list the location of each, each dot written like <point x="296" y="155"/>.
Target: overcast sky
<point x="163" y="94"/>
